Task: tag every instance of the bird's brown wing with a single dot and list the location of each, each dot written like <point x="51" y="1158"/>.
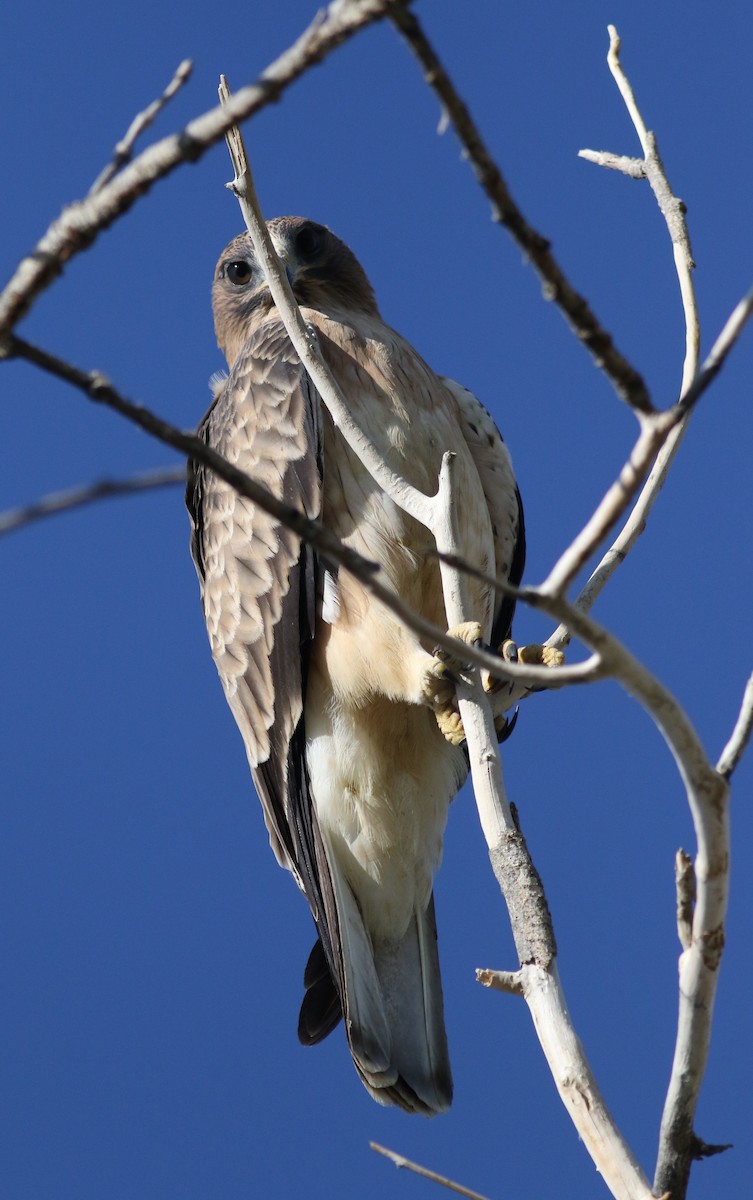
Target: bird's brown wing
<point x="259" y="586"/>
<point x="497" y="478"/>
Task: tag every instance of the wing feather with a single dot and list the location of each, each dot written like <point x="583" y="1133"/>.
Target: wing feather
<point x="259" y="583"/>
<point x="494" y="466"/>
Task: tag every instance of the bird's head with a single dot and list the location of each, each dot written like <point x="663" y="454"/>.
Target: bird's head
<point x="324" y="275"/>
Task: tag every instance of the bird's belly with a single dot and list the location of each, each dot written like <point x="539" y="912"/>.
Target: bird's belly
<point x="382" y="779"/>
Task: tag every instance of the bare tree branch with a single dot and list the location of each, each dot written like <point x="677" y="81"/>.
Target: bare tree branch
<point x="123" y="151"/>
<point x="60" y="502"/>
<point x="707" y="794"/>
<point x="305" y="340"/>
<point x="626" y="381"/>
<point x="407" y="1165"/>
<point x="672" y="208"/>
<point x="651" y="168"/>
<point x="80" y="223"/>
<point x="733" y="751"/>
<point x="657" y="429"/>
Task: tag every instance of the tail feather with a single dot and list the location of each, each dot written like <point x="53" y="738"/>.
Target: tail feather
<point x="408" y="972"/>
<point x="321" y="1009"/>
<point x="391" y="997"/>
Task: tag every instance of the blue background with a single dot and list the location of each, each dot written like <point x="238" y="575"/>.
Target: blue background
<point x="152" y="951"/>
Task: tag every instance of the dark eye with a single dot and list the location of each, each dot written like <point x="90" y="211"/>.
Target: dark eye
<point x="308" y="241"/>
<point x="238" y="272"/>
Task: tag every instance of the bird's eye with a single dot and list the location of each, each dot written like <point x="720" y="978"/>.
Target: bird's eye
<point x="308" y="241"/>
<point x="238" y="272"/>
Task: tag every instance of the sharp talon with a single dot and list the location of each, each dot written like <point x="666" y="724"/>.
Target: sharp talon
<point x="505" y="727"/>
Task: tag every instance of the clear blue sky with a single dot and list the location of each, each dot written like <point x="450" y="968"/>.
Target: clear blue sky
<point x="152" y="950"/>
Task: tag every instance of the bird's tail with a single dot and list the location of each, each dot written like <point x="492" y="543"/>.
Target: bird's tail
<point x="391" y="997"/>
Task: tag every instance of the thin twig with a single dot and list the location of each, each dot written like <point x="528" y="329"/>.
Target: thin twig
<point x="615" y="503"/>
<point x="123" y="151"/>
<point x="304" y="337"/>
<point x="651" y="168"/>
<point x="733" y="751"/>
<point x="625" y="379"/>
<point x="666" y="426"/>
<point x="80" y="223"/>
<point x="405" y="1163"/>
<point x="60" y="502"/>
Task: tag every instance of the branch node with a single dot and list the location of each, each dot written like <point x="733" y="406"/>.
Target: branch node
<point x="685" y="886"/>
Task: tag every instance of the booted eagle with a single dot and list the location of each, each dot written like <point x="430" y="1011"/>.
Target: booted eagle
<point x="337" y="702"/>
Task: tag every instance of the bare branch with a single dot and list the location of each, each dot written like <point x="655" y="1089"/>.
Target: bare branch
<point x="652" y="168"/>
<point x="304" y="337"/>
<point x="635" y="168"/>
<point x="735" y="748"/>
<point x="59" y="502"/>
<point x="707" y="794"/>
<point x="510" y="982"/>
<point x="80" y="223"/>
<point x="654" y="432"/>
<point x="666" y="427"/>
<point x="672" y="208"/>
<point x="123" y="151"/>
<point x="406" y="1164"/>
<point x="626" y="381"/>
<point x="717" y="356"/>
<point x="634" y="526"/>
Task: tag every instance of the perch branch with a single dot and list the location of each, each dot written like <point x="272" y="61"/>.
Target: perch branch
<point x="304" y="337"/>
<point x="98" y="389"/>
<point x="514" y="870"/>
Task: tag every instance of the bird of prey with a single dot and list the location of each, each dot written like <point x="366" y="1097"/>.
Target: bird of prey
<point x="342" y="709"/>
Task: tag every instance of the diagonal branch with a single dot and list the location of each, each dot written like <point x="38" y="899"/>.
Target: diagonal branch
<point x="94" y="385"/>
<point x="405" y="1163"/>
<point x="123" y="151"/>
<point x="657" y="430"/>
<point x="626" y="381"/>
<point x="80" y="223"/>
<point x="735" y="747"/>
<point x="60" y="502"/>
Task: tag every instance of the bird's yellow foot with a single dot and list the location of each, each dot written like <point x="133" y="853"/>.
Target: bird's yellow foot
<point x="441" y="677"/>
<point x="534" y="655"/>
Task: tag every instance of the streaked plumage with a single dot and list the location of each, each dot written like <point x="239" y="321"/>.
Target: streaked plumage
<point x="329" y="691"/>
